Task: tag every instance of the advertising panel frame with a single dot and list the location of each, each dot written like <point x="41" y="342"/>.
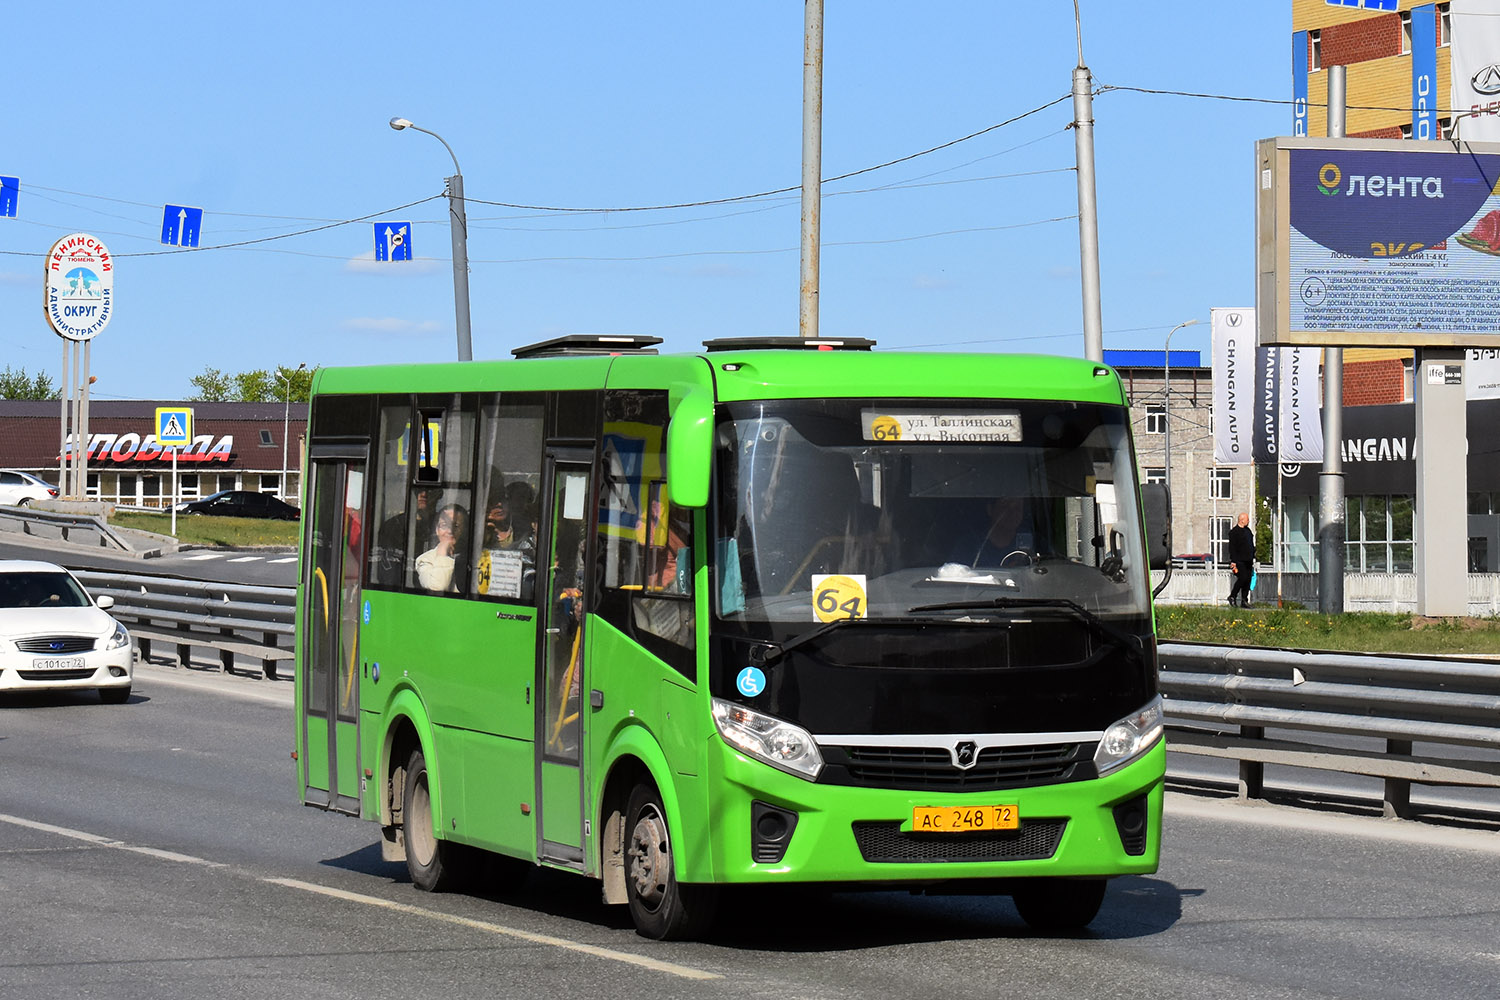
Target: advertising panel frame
<point x="1276" y="319"/>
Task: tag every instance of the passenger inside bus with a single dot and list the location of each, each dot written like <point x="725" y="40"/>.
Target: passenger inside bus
<point x="440" y="568"/>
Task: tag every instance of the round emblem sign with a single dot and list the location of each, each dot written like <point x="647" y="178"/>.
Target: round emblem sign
<point x="80" y="287"/>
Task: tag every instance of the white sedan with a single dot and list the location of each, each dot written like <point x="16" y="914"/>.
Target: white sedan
<point x="53" y="637"/>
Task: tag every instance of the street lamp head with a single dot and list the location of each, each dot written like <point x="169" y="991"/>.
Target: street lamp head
<point x="302" y="366"/>
<point x="400" y="123"/>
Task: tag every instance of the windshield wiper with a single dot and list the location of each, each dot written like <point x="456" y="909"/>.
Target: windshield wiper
<point x="769" y="652"/>
<point x="1124" y="639"/>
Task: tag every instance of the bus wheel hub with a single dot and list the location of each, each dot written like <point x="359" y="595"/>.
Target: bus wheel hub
<point x="650" y="861"/>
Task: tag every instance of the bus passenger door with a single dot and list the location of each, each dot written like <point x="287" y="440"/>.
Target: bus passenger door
<point x="329" y="679"/>
<point x="561" y="679"/>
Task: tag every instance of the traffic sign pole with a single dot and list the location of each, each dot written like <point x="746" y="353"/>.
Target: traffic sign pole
<point x="175" y="494"/>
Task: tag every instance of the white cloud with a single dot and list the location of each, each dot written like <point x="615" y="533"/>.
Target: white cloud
<point x="366" y="263"/>
<point x="391" y="325"/>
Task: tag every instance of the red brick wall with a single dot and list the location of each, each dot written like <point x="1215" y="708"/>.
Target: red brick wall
<point x="1367" y="383"/>
<point x="1368" y="38"/>
<point x="1394" y="132"/>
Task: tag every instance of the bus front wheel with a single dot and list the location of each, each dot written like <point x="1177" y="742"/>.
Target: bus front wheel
<point x="429" y="860"/>
<point x="661" y="907"/>
<point x="1053" y="905"/>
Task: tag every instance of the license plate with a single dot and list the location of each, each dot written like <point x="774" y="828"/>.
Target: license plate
<point x="57" y="663"/>
<point x="964" y="819"/>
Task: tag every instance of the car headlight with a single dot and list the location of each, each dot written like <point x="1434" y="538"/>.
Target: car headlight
<point x="120" y="638"/>
<point x="1129" y="738"/>
<point x="767" y="738"/>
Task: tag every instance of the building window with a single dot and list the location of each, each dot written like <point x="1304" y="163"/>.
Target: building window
<point x="265" y="438"/>
<point x="1406" y="131"/>
<point x="1221" y="484"/>
<point x="1405" y="16"/>
<point x="1218" y="532"/>
<point x="1379" y="535"/>
<point x="1445" y="24"/>
<point x="1315" y="49"/>
<point x="1156" y="420"/>
<point x="1156" y="474"/>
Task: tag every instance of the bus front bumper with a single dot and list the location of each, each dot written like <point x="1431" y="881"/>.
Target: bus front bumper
<point x="772" y="827"/>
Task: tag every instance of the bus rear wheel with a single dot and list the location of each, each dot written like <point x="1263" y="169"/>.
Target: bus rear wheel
<point x="661" y="907"/>
<point x="1057" y="904"/>
<point x="431" y="862"/>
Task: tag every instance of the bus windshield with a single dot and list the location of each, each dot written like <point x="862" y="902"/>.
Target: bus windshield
<point x="886" y="509"/>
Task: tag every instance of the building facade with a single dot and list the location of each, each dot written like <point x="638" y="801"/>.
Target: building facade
<point x="1171" y="416"/>
<point x="245" y="446"/>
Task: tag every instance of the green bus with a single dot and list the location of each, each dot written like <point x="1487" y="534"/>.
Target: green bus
<point x="783" y="611"/>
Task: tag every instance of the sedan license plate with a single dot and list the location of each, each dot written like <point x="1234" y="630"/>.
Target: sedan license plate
<point x="965" y="819"/>
<point x="57" y="663"/>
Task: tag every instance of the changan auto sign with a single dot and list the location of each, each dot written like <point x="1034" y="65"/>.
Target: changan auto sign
<point x="80" y="287"/>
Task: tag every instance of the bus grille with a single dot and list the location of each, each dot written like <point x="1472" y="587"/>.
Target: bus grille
<point x="883" y="842"/>
<point x="54" y="644"/>
<point x="930" y="769"/>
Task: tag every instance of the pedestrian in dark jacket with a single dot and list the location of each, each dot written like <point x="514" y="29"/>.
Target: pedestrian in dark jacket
<point x="1241" y="561"/>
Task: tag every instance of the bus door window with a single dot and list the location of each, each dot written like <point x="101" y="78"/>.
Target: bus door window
<point x="566" y="606"/>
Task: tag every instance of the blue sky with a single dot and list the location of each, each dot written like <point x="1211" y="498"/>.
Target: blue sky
<point x="273" y="120"/>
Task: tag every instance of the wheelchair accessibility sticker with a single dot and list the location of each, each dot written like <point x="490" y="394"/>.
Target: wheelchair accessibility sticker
<point x="751" y="681"/>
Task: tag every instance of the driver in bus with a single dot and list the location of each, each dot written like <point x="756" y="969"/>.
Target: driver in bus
<point x="1007" y="531"/>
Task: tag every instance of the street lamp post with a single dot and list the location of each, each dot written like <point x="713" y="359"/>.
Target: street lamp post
<point x="286" y="422"/>
<point x="1167" y="395"/>
<point x="460" y="228"/>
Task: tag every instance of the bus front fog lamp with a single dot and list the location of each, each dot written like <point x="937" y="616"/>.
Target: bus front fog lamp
<point x="1127" y="739"/>
<point x="769" y="739"/>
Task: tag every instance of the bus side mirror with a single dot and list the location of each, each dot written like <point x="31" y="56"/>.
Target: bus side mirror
<point x="1156" y="510"/>
<point x="690" y="449"/>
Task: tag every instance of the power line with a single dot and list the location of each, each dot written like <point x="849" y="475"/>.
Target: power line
<point x="781" y="190"/>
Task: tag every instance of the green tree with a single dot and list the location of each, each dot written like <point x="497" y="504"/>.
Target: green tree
<point x="16" y="384"/>
<point x="255" y="386"/>
<point x="213" y="386"/>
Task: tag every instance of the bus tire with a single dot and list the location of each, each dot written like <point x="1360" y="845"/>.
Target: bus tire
<point x="661" y="907"/>
<point x="431" y="862"/>
<point x="1055" y="904"/>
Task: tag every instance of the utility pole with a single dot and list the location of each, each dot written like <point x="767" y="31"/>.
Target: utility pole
<point x="812" y="163"/>
<point x="1331" y="479"/>
<point x="1088" y="208"/>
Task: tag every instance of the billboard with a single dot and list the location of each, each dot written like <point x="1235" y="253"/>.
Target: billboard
<point x="1265" y="398"/>
<point x="1377" y="242"/>
<point x="1475" y="68"/>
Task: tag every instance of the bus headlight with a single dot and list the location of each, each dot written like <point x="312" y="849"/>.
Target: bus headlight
<point x="767" y="738"/>
<point x="1129" y="738"/>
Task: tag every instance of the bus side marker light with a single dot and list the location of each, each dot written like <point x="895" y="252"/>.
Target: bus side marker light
<point x="525" y="809"/>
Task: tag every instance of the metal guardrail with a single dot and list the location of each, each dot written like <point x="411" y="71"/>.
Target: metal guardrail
<point x="1220" y="700"/>
<point x="49" y="525"/>
<point x="1352" y="712"/>
<point x="188" y="613"/>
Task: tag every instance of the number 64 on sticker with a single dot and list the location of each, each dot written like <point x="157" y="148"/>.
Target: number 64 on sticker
<point x="837" y="596"/>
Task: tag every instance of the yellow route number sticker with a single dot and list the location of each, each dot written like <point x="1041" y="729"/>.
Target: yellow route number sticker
<point x="837" y="596"/>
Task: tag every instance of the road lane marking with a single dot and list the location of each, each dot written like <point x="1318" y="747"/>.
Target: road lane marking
<point x="201" y="556"/>
<point x="101" y="841"/>
<point x="278" y="562"/>
<point x="625" y="957"/>
<point x="654" y="964"/>
<point x="247" y="559"/>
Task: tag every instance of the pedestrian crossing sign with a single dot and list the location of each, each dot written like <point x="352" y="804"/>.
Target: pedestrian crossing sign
<point x="174" y="426"/>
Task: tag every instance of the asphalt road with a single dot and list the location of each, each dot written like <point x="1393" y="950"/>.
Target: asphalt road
<point x="157" y="849"/>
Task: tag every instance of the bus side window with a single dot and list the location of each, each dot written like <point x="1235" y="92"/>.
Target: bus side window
<point x="504" y="529"/>
<point x="392" y="474"/>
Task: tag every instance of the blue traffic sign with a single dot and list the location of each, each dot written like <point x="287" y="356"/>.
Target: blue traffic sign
<point x="393" y="241"/>
<point x="180" y="225"/>
<point x="10" y="190"/>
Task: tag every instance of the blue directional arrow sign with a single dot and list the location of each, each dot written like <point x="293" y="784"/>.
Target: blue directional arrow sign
<point x="393" y="241"/>
<point x="180" y="225"/>
<point x="10" y="191"/>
